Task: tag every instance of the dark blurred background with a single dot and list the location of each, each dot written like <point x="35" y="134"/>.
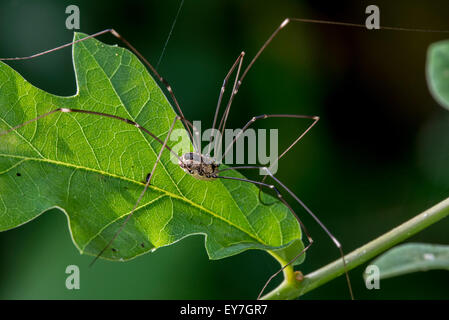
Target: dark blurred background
<point x="378" y="157"/>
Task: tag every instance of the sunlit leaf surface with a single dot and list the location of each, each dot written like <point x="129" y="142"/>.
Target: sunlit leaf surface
<point x="92" y="168"/>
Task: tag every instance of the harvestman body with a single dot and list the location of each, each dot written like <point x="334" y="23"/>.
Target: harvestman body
<point x="200" y="166"/>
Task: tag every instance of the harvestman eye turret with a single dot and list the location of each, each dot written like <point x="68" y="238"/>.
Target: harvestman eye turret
<point x="204" y="167"/>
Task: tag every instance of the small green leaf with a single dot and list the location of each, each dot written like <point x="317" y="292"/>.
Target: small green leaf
<point x="412" y="257"/>
<point x="438" y="71"/>
<point x="92" y="168"/>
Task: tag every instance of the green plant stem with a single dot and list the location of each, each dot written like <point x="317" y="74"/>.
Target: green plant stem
<point x="291" y="288"/>
<point x="290" y="285"/>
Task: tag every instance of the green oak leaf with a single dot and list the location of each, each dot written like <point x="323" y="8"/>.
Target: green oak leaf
<point x="412" y="257"/>
<point x="92" y="168"/>
<point x="437" y="68"/>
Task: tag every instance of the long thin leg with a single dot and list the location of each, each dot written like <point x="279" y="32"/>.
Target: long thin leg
<point x="134" y="50"/>
<point x="309" y="238"/>
<point x="238" y="82"/>
<point x="149" y="177"/>
<point x="356" y="25"/>
<point x="222" y="90"/>
<point x="331" y="236"/>
<point x="222" y="125"/>
<point x="315" y="120"/>
<point x="266" y="116"/>
<point x="66" y="110"/>
<point x="267" y="42"/>
<point x="231" y="98"/>
<point x="288" y="20"/>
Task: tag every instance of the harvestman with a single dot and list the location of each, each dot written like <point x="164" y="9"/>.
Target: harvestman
<point x="202" y="166"/>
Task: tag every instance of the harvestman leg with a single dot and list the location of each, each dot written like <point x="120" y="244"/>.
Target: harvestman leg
<point x="222" y="90"/>
<point x="67" y="110"/>
<point x="147" y="184"/>
<point x="310" y="240"/>
<point x="136" y="52"/>
<point x="133" y="123"/>
<point x="281" y="198"/>
<point x="222" y="125"/>
<point x="266" y="116"/>
<point x="238" y="83"/>
<point x="300" y="20"/>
